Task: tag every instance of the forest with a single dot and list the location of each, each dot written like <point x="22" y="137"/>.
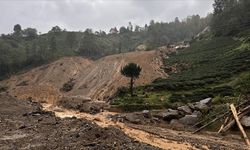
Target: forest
<point x="26" y="48"/>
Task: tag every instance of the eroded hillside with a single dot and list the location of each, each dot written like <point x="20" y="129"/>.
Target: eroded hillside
<point x="92" y="79"/>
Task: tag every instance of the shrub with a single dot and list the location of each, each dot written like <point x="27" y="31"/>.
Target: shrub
<point x="68" y="86"/>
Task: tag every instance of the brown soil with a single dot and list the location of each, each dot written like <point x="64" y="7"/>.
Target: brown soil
<point x="23" y="125"/>
<point x="97" y="80"/>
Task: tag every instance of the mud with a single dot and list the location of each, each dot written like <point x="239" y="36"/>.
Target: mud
<point x="23" y="125"/>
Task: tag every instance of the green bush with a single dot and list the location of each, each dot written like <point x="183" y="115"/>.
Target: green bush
<point x="68" y="86"/>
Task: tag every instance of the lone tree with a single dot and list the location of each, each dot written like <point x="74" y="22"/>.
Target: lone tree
<point x="131" y="71"/>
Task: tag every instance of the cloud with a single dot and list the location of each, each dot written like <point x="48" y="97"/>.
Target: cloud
<point x="97" y="14"/>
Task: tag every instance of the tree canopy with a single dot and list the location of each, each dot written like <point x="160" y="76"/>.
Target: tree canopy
<point x="230" y="17"/>
<point x="131" y="71"/>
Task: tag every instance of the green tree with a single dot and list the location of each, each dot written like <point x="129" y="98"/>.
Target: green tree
<point x="123" y="30"/>
<point x="17" y="29"/>
<point x="131" y="71"/>
<point x="71" y="39"/>
<point x="56" y="29"/>
<point x="53" y="45"/>
<point x="30" y="33"/>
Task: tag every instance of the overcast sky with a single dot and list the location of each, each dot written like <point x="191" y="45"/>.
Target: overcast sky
<point x="96" y="14"/>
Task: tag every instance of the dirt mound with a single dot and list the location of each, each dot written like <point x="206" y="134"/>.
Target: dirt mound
<point x="73" y="76"/>
<point x="23" y="125"/>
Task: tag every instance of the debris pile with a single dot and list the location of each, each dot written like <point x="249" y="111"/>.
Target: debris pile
<point x="238" y="114"/>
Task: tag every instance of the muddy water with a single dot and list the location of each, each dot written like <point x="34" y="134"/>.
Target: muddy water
<point x="102" y="120"/>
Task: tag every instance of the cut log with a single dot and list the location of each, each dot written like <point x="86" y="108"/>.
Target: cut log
<point x="215" y="119"/>
<point x="245" y="111"/>
<point x="227" y="112"/>
<point x="233" y="109"/>
<point x="223" y="125"/>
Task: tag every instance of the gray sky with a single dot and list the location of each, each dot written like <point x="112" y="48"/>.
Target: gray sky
<point x="96" y="14"/>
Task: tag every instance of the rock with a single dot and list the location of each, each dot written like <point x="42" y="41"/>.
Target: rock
<point x="189" y="119"/>
<point x="203" y="104"/>
<point x="186" y="109"/>
<point x="206" y="101"/>
<point x="197" y="113"/>
<point x="146" y="113"/>
<point x="176" y="125"/>
<point x="170" y="114"/>
<point x="245" y="121"/>
<point x="133" y="118"/>
<point x="190" y="105"/>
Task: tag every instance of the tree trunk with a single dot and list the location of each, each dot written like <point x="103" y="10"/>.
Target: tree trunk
<point x="131" y="85"/>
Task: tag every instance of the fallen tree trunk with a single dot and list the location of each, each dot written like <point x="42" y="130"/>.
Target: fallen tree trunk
<point x="245" y="111"/>
<point x="233" y="109"/>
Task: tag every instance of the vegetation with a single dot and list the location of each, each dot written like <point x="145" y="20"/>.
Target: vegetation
<point x="215" y="65"/>
<point x="25" y="48"/>
<point x="131" y="71"/>
<point x="230" y="17"/>
<point x="68" y="86"/>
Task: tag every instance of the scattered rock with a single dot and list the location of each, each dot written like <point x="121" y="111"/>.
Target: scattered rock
<point x="203" y="104"/>
<point x="245" y="121"/>
<point x="186" y="109"/>
<point x="169" y="115"/>
<point x="206" y="101"/>
<point x="189" y="119"/>
<point x="146" y="113"/>
<point x="133" y="118"/>
<point x="176" y="124"/>
<point x="197" y="113"/>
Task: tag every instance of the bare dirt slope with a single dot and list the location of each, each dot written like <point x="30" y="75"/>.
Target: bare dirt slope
<point x="94" y="79"/>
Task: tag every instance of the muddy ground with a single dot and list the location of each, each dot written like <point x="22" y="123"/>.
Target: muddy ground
<point x="23" y="125"/>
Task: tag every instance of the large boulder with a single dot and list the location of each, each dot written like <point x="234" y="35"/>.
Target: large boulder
<point x="245" y="121"/>
<point x="197" y="113"/>
<point x="186" y="109"/>
<point x="168" y="115"/>
<point x="133" y="118"/>
<point x="189" y="119"/>
<point x="176" y="125"/>
<point x="203" y="104"/>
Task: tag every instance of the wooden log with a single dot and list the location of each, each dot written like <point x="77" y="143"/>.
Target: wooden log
<point x="225" y="121"/>
<point x="223" y="125"/>
<point x="245" y="111"/>
<point x="227" y="112"/>
<point x="233" y="109"/>
<point x="215" y="119"/>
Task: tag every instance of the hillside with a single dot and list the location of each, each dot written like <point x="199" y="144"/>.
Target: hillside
<point x="211" y="67"/>
<point x="97" y="80"/>
<point x="25" y="48"/>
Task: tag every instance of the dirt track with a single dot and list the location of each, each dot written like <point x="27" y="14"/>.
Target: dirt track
<point x="94" y="79"/>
